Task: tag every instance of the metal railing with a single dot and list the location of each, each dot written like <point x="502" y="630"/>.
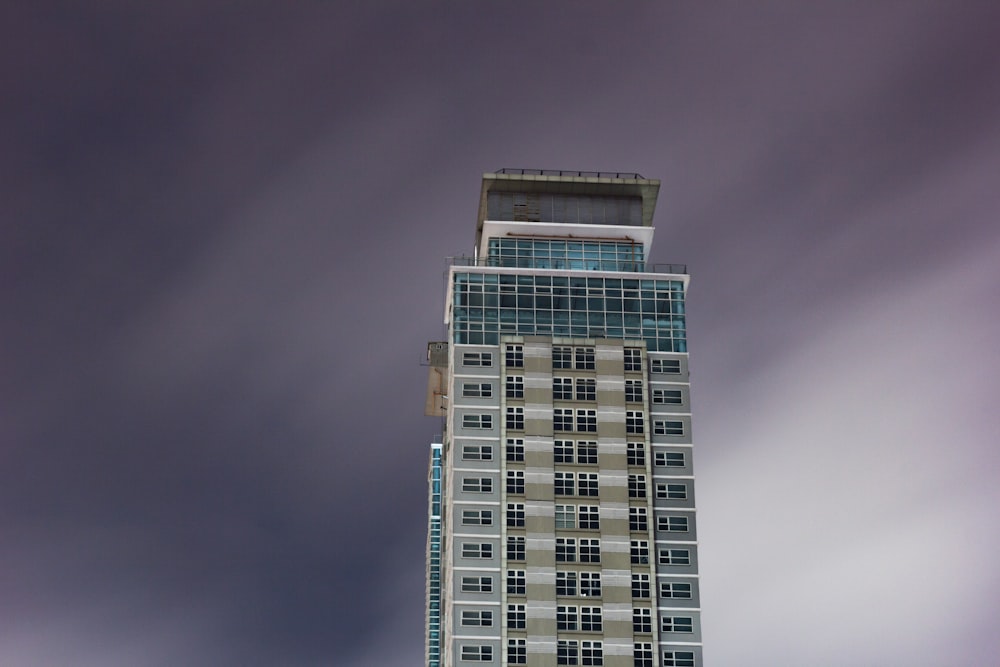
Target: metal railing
<point x="619" y="265"/>
<point x="631" y="175"/>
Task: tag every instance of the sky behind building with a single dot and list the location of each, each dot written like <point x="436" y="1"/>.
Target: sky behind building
<point x="223" y="230"/>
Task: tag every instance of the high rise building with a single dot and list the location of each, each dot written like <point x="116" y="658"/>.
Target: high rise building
<point x="562" y="513"/>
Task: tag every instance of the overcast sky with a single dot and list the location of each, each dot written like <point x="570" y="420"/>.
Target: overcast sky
<point x="223" y="228"/>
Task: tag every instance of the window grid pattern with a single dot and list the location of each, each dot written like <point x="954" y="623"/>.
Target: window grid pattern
<point x="559" y="254"/>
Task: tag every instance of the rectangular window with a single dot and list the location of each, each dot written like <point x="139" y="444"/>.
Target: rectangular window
<point x="638" y="521"/>
<point x="678" y="659"/>
<point x="565" y="516"/>
<point x="514" y="356"/>
<point x="672" y="524"/>
<point x="562" y="357"/>
<point x="477" y="618"/>
<point x="670" y="459"/>
<point x="591" y="653"/>
<point x="477" y="550"/>
<point x="590" y="517"/>
<point x="567" y="652"/>
<point x="672" y="491"/>
<point x="668" y="366"/>
<point x="633" y="360"/>
<point x="636" y="486"/>
<point x="477" y="421"/>
<point x="637" y="454"/>
<point x="675" y="557"/>
<point x="633" y="391"/>
<point x="515" y="515"/>
<point x="515" y="419"/>
<point x="564" y="484"/>
<point x="515" y="482"/>
<point x="642" y="620"/>
<point x="591" y="619"/>
<point x="516" y="616"/>
<point x="477" y="359"/>
<point x="514" y="386"/>
<point x="565" y="549"/>
<point x="477" y="517"/>
<point x="477" y="485"/>
<point x="516" y="582"/>
<point x="585" y="359"/>
<point x="639" y="551"/>
<point x="563" y="451"/>
<point x="586" y="452"/>
<point x="676" y="624"/>
<point x="517" y="652"/>
<point x="668" y="428"/>
<point x="566" y="583"/>
<point x="586" y="421"/>
<point x="477" y="452"/>
<point x="640" y="586"/>
<point x="635" y="422"/>
<point x="590" y="584"/>
<point x="477" y="584"/>
<point x="587" y="484"/>
<point x="515" y="548"/>
<point x="642" y="653"/>
<point x="515" y="449"/>
<point x="567" y="618"/>
<point x="477" y="653"/>
<point x="477" y="390"/>
<point x="562" y="419"/>
<point x="676" y="590"/>
<point x="668" y="397"/>
<point x="562" y="389"/>
<point x="586" y="389"/>
<point x="590" y="550"/>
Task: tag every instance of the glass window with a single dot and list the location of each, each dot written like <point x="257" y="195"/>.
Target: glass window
<point x="477" y="421"/>
<point x="668" y="396"/>
<point x="676" y="624"/>
<point x="477" y="359"/>
<point x="477" y="452"/>
<point x="515" y="418"/>
<point x="515" y="515"/>
<point x="516" y="582"/>
<point x="642" y="620"/>
<point x="586" y="389"/>
<point x="670" y="459"/>
<point x="514" y="386"/>
<point x="668" y="428"/>
<point x="667" y="366"/>
<point x="675" y="557"/>
<point x="633" y="391"/>
<point x="636" y="454"/>
<point x="633" y="359"/>
<point x="562" y="389"/>
<point x="514" y="356"/>
<point x="515" y="449"/>
<point x="566" y="584"/>
<point x="672" y="524"/>
<point x="516" y="616"/>
<point x="477" y="390"/>
<point x="638" y="520"/>
<point x="515" y="481"/>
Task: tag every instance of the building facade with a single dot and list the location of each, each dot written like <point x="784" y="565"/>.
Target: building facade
<point x="562" y="510"/>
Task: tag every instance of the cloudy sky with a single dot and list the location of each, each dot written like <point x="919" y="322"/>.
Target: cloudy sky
<point x="223" y="228"/>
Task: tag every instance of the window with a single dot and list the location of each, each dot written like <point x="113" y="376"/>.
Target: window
<point x="586" y="421"/>
<point x="563" y="451"/>
<point x="517" y="652"/>
<point x="639" y="551"/>
<point x="515" y="547"/>
<point x="637" y="454"/>
<point x="638" y="520"/>
<point x="477" y="584"/>
<point x="640" y="585"/>
<point x="676" y="624"/>
<point x="477" y="618"/>
<point x="642" y="620"/>
<point x="477" y="390"/>
<point x="514" y="386"/>
<point x="633" y="391"/>
<point x="515" y="419"/>
<point x="516" y="616"/>
<point x="566" y="583"/>
<point x="562" y="419"/>
<point x="591" y="653"/>
<point x="668" y="428"/>
<point x="678" y="659"/>
<point x="674" y="589"/>
<point x="590" y="517"/>
<point x="477" y="452"/>
<point x="565" y="549"/>
<point x="586" y="389"/>
<point x="643" y="654"/>
<point x="477" y="550"/>
<point x="586" y="452"/>
<point x="567" y="618"/>
<point x="567" y="652"/>
<point x="584" y="358"/>
<point x="634" y="421"/>
<point x="515" y="515"/>
<point x="477" y="653"/>
<point x="562" y="357"/>
<point x="591" y="619"/>
<point x="515" y="449"/>
<point x="668" y="396"/>
<point x="477" y="421"/>
<point x="633" y="359"/>
<point x="587" y="482"/>
<point x="669" y="459"/>
<point x="590" y="584"/>
<point x="514" y="356"/>
<point x="565" y="516"/>
<point x="590" y="550"/>
<point x="477" y="485"/>
<point x="477" y="359"/>
<point x="516" y="582"/>
<point x="672" y="524"/>
<point x="477" y="517"/>
<point x="669" y="366"/>
<point x="636" y="486"/>
<point x="564" y="484"/>
<point x="675" y="557"/>
<point x="515" y="482"/>
<point x="562" y="389"/>
<point x="672" y="491"/>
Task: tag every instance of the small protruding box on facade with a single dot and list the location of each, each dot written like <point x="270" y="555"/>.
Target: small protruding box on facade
<point x="437" y="379"/>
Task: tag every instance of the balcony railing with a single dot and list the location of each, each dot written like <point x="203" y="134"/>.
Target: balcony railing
<point x="631" y="175"/>
<point x="570" y="265"/>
